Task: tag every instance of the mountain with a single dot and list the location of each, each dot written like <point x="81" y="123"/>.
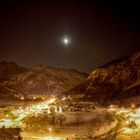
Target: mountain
<point x="114" y="82"/>
<point x="10" y="68"/>
<point x="39" y="80"/>
<point x="7" y="70"/>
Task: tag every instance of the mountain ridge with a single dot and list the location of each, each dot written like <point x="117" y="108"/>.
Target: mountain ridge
<point x="116" y="81"/>
<point x="38" y="80"/>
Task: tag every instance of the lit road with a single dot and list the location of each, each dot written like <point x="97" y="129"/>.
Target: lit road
<point x="44" y="138"/>
<point x="128" y="126"/>
<point x="21" y="113"/>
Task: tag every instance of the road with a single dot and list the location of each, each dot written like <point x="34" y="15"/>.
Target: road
<point x="124" y="130"/>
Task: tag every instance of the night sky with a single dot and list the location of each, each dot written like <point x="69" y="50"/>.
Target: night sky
<point x="31" y="33"/>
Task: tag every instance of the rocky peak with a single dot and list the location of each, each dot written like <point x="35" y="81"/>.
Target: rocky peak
<point x="111" y="81"/>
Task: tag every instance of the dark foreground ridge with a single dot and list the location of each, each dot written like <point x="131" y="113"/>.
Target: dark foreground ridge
<point x="116" y="81"/>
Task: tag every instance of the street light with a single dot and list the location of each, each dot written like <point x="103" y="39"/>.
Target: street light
<point x="50" y="130"/>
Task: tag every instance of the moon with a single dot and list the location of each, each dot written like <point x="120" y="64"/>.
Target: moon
<point x="66" y="41"/>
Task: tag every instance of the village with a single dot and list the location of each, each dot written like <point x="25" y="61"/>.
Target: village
<point x="61" y="119"/>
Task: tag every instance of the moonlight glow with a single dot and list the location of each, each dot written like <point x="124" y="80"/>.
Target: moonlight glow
<point x="66" y="41"/>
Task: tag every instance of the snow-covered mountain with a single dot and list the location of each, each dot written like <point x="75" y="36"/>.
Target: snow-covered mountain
<point x="37" y="80"/>
<point x="115" y="81"/>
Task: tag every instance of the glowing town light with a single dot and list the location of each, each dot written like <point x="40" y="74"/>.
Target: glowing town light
<point x="34" y="98"/>
<point x="49" y="112"/>
<point x="22" y="98"/>
<point x="52" y="138"/>
<point x="138" y="111"/>
<point x="55" y="109"/>
<point x="22" y="113"/>
<point x="112" y="108"/>
<point x="20" y="107"/>
<point x="6" y="123"/>
<point x="133" y="105"/>
<point x="50" y="130"/>
<point x="60" y="109"/>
